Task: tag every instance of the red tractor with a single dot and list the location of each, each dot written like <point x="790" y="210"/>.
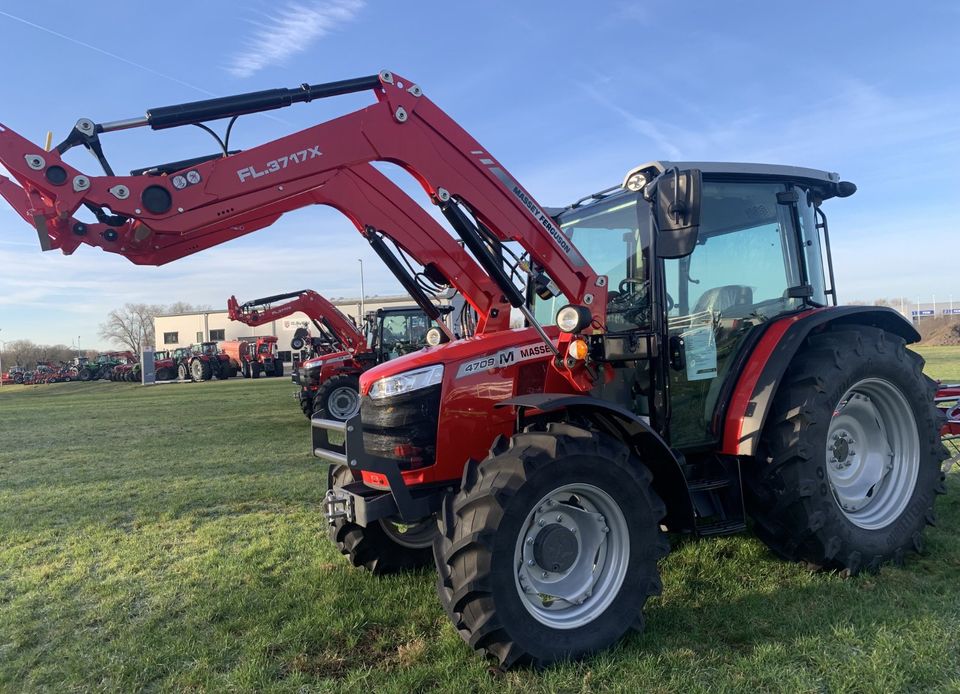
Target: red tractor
<point x="700" y="371"/>
<point x="204" y="361"/>
<point x="329" y="382"/>
<point x="164" y="365"/>
<point x="251" y="358"/>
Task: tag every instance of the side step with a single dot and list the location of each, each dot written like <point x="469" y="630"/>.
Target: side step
<point x="727" y="527"/>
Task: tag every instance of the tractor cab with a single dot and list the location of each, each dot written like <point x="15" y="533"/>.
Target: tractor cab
<point x="686" y="298"/>
<point x="393" y="332"/>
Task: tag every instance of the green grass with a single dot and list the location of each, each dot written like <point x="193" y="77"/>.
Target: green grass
<point x="170" y="538"/>
<point x="943" y="363"/>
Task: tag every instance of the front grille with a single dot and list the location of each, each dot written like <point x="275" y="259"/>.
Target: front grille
<point x="402" y="428"/>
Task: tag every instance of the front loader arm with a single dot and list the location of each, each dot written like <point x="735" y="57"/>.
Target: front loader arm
<point x="156" y="219"/>
<point x="308" y="302"/>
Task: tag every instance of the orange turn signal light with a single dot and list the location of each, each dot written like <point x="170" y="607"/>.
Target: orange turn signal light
<point x="577" y="349"/>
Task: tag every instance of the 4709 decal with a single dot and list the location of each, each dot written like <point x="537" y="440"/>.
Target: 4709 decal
<point x="505" y="357"/>
<point x="280" y="163"/>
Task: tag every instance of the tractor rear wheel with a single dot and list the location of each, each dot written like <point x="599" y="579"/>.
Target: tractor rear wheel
<point x="85" y="375"/>
<point x="849" y="461"/>
<point x="386" y="546"/>
<point x="549" y="550"/>
<point x="337" y="398"/>
<point x="200" y="370"/>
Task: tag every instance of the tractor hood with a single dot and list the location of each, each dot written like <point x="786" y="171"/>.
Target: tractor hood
<point x="468" y="356"/>
<point x="325" y="359"/>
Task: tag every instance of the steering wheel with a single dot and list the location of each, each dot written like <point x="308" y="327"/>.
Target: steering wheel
<point x="627" y="281"/>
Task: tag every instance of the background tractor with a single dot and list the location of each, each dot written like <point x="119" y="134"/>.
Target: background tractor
<point x="253" y="357"/>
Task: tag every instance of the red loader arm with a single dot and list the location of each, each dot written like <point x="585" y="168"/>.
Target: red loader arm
<point x="316" y="307"/>
<point x="154" y="219"/>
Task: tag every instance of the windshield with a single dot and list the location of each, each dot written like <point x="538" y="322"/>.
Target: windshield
<point x="613" y="236"/>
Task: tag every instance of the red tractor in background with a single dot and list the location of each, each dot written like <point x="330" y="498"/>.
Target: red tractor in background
<point x="204" y="361"/>
<point x="329" y="382"/>
<point x="14" y="376"/>
<point x="699" y="371"/>
<point x="164" y="365"/>
<point x="253" y="357"/>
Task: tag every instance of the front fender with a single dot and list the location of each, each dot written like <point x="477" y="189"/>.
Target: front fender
<point x="669" y="481"/>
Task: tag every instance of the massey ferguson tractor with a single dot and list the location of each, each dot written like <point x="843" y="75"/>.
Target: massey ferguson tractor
<point x="329" y="382"/>
<point x="684" y="365"/>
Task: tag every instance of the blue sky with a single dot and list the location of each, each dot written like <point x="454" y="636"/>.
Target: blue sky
<point x="568" y="96"/>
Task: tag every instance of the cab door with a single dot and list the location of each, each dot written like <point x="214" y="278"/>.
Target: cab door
<point x="736" y="279"/>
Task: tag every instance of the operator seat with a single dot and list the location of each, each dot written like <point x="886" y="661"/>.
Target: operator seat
<point x="722" y="299"/>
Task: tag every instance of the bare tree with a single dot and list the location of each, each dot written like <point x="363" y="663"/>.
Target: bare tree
<point x="131" y="326"/>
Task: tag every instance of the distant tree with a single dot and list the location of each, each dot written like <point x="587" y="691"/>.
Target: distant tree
<point x="131" y="326"/>
<point x="184" y="307"/>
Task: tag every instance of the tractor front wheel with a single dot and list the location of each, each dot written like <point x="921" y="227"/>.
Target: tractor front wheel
<point x="549" y="550"/>
<point x="200" y="370"/>
<point x="383" y="547"/>
<point x="255" y="369"/>
<point x="337" y="398"/>
<point x="850" y="456"/>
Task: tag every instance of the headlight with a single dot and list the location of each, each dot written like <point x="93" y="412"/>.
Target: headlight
<point x="434" y="337"/>
<point x="406" y="382"/>
<point x="573" y="319"/>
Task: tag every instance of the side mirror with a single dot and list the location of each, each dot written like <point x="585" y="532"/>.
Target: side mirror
<point x="678" y="212"/>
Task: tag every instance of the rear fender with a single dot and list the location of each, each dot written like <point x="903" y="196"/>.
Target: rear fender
<point x="668" y="479"/>
<point x="743" y="414"/>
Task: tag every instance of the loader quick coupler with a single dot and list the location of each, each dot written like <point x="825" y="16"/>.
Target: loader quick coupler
<point x="357" y="502"/>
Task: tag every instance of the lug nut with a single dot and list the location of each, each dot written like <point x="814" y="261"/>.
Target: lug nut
<point x="529" y="540"/>
<point x="530" y="562"/>
<point x="541" y="522"/>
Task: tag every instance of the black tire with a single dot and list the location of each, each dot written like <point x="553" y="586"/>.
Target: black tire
<point x="85" y="375"/>
<point x="225" y="370"/>
<point x="306" y="405"/>
<point x="183" y="373"/>
<point x="378" y="548"/>
<point x="480" y="527"/>
<point x="329" y="401"/>
<point x="789" y="487"/>
<point x="200" y="370"/>
<point x="278" y="368"/>
<point x="255" y="369"/>
<point x="245" y="369"/>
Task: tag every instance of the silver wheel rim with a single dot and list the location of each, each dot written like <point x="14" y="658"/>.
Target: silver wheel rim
<point x="569" y="593"/>
<point x="343" y="403"/>
<point x="873" y="453"/>
<point x="416" y="536"/>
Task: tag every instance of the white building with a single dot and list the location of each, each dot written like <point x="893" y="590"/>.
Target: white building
<point x="184" y="329"/>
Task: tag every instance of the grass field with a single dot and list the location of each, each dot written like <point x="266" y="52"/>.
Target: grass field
<point x="170" y="538"/>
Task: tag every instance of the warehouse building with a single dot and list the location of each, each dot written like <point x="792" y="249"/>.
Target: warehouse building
<point x="184" y="329"/>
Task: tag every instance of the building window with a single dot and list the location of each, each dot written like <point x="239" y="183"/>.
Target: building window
<point x="171" y="338"/>
<point x="199" y="336"/>
<point x="217" y="335"/>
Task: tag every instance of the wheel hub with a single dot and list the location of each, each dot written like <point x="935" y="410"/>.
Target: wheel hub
<point x="569" y="562"/>
<point x="872" y="453"/>
<point x="555" y="548"/>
